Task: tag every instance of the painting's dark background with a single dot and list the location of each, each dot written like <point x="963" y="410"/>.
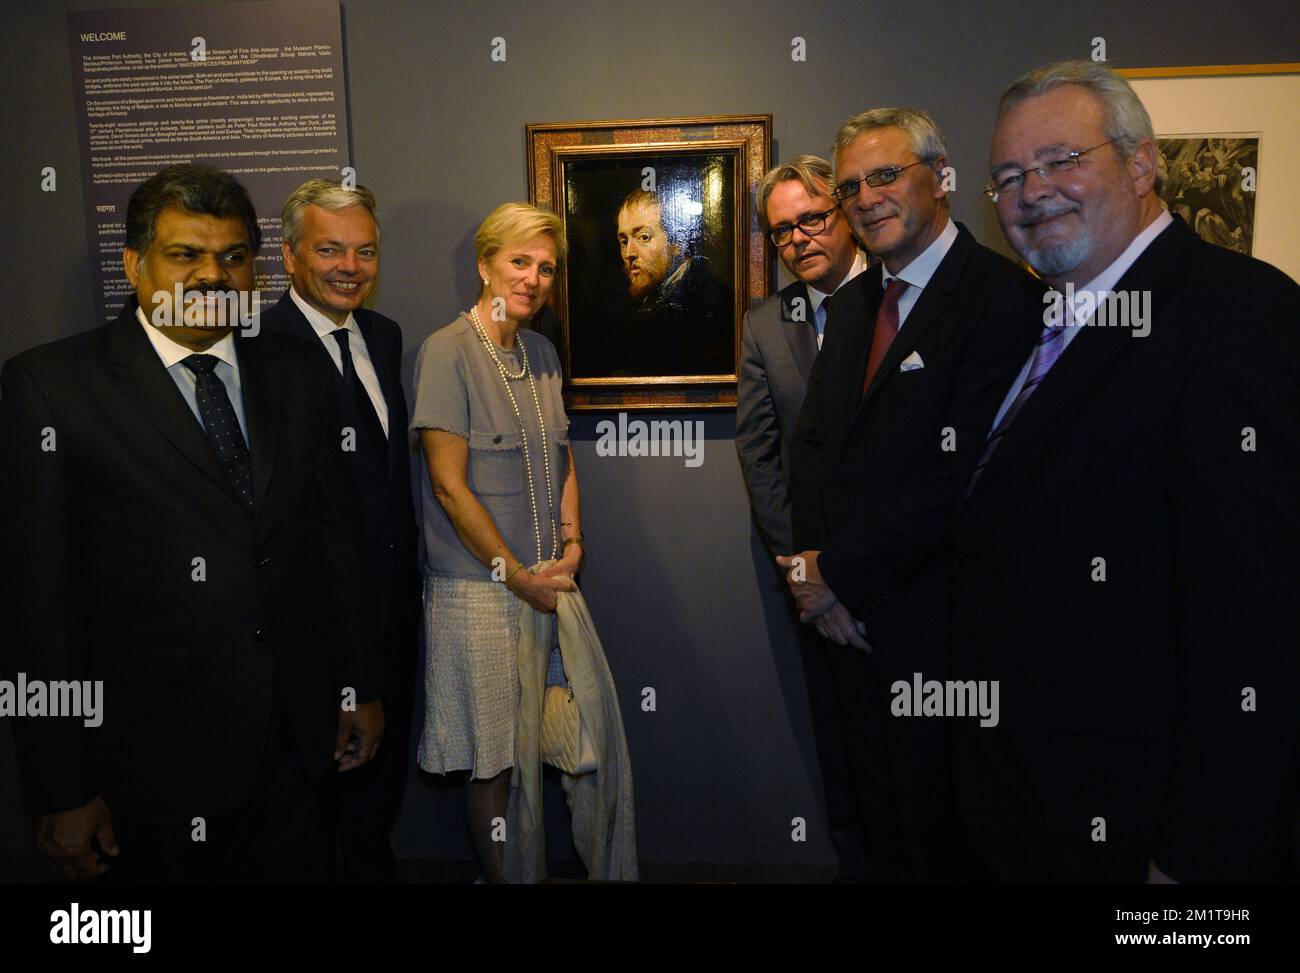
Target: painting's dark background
<point x="678" y="584"/>
<point x="594" y="190"/>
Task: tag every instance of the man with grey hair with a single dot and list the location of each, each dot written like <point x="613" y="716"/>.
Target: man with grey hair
<point x="1126" y="561"/>
<point x="780" y="340"/>
<point x="331" y="250"/>
<point x="175" y="511"/>
<point x="915" y="361"/>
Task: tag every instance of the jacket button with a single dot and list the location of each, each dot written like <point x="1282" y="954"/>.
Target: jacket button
<point x="957" y="562"/>
<point x="496" y="439"/>
<point x="260" y="635"/>
<point x="263" y="561"/>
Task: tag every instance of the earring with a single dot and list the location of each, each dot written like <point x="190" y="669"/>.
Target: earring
<point x="485" y="282"/>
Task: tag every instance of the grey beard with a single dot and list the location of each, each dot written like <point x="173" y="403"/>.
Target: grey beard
<point x="1060" y="258"/>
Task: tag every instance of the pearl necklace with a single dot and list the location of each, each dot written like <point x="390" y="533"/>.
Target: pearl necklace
<point x="506" y="376"/>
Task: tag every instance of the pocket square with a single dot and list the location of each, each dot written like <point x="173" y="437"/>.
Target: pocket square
<point x="911" y="363"/>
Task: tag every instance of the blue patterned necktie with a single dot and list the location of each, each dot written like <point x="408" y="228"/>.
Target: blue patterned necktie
<point x="1050" y="345"/>
<point x="222" y="426"/>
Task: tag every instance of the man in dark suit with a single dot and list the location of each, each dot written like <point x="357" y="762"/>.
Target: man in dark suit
<point x="780" y="340"/>
<point x="1126" y="561"/>
<point x="331" y="250"/>
<point x="176" y="513"/>
<point x="915" y="359"/>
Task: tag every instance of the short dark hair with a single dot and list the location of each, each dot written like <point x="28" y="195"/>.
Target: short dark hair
<point x="195" y="189"/>
<point x="676" y="231"/>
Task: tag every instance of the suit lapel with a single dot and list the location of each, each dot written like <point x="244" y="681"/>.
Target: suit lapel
<point x="1075" y="378"/>
<point x="298" y="326"/>
<point x="872" y="291"/>
<point x="296" y="322"/>
<point x="261" y="411"/>
<point x="383" y="369"/>
<point x="144" y="380"/>
<point x="934" y="300"/>
<point x="801" y="336"/>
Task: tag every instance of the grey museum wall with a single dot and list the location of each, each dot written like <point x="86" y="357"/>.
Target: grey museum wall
<point x="682" y="592"/>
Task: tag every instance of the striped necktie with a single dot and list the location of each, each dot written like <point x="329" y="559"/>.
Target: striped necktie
<point x="1050" y="344"/>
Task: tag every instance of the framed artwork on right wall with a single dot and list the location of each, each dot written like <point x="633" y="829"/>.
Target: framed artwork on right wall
<point x="1228" y="134"/>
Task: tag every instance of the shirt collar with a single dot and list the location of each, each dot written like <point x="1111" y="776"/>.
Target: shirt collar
<point x="172" y="352"/>
<point x="319" y="322"/>
<point x="1108" y="278"/>
<point x="815" y="297"/>
<point x="920" y="270"/>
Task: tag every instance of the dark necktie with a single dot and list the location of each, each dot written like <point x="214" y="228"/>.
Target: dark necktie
<point x="886" y="329"/>
<point x="222" y="426"/>
<point x="1050" y="345"/>
<point x="365" y="408"/>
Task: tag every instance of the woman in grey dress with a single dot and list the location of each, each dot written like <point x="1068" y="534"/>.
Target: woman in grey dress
<point x="501" y="496"/>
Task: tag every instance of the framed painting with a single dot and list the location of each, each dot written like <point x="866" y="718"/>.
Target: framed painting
<point x="1227" y="134"/>
<point x="665" y="254"/>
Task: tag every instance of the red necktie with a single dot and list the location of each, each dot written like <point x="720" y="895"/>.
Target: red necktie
<point x="886" y="329"/>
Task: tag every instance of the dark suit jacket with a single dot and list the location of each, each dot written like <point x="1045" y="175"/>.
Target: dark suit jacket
<point x="1123" y="698"/>
<point x="777" y="348"/>
<point x="859" y="459"/>
<point x="101" y="536"/>
<point x="384" y="480"/>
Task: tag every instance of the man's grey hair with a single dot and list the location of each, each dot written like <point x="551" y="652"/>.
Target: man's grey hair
<point x="328" y="194"/>
<point x="812" y="172"/>
<point x="1124" y="117"/>
<point x="923" y="135"/>
<point x="924" y="138"/>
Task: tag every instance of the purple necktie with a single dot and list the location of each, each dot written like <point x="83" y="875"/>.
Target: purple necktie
<point x="1050" y="344"/>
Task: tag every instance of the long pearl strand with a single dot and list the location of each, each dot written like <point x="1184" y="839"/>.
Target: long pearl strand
<point x="506" y="376"/>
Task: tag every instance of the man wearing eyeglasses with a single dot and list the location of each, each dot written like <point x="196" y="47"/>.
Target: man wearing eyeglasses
<point x="1126" y="561"/>
<point x="918" y="353"/>
<point x="779" y="342"/>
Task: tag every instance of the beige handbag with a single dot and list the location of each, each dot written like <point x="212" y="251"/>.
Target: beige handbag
<point x="565" y="743"/>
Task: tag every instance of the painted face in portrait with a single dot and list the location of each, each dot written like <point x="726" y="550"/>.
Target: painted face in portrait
<point x="1077" y="221"/>
<point x="336" y="261"/>
<point x="898" y="220"/>
<point x="521" y="274"/>
<point x="643" y="244"/>
<point x="209" y="257"/>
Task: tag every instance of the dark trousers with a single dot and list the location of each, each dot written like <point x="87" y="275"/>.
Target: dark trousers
<point x="844" y="816"/>
<point x="283" y="833"/>
<point x="902" y="774"/>
<point x="369" y="797"/>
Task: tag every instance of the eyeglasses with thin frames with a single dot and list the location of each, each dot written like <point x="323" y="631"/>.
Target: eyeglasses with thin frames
<point x="848" y="189"/>
<point x="812" y="224"/>
<point x="1011" y="181"/>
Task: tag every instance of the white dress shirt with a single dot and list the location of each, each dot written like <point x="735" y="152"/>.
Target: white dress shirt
<point x="917" y="274"/>
<point x="173" y="356"/>
<point x="1098" y="287"/>
<point x="324" y="328"/>
<point x="816" y="297"/>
